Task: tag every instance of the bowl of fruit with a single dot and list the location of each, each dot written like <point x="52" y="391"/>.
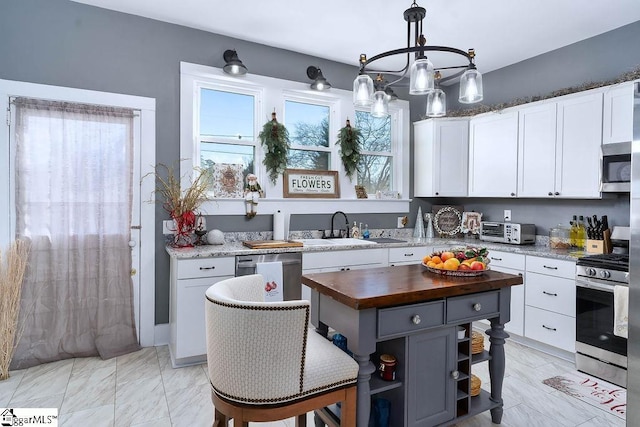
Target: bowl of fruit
<point x="467" y="261"/>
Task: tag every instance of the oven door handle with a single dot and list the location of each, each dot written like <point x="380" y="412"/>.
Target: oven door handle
<point x="594" y="285"/>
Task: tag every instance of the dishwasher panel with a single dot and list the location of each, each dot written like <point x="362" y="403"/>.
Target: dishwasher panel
<point x="291" y="270"/>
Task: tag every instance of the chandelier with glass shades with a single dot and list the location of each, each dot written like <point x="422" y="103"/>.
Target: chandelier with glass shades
<point x="424" y="78"/>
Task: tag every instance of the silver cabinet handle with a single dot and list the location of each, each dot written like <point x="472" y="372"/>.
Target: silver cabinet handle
<point x="207" y="268"/>
<point x="549" y="293"/>
<point x="455" y="375"/>
<point x="477" y="306"/>
<point x="551" y="329"/>
<point x="416" y="319"/>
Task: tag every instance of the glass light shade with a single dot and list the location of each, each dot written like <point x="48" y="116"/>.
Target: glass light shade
<point x="471" y="87"/>
<point x="421" y="77"/>
<point x="362" y="91"/>
<point x="321" y="84"/>
<point x="380" y="106"/>
<point x="436" y="103"/>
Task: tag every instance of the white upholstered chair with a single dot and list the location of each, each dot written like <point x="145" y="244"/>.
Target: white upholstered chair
<point x="264" y="362"/>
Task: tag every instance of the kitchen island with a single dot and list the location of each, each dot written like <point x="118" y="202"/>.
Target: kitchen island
<point x="415" y="315"/>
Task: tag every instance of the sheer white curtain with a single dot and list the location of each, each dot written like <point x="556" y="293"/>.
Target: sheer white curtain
<point x="73" y="195"/>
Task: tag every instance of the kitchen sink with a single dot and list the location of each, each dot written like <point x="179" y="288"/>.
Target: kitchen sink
<point x="335" y="242"/>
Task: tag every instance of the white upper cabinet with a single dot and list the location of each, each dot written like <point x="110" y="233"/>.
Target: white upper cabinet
<point x="579" y="138"/>
<point x="537" y="150"/>
<point x="493" y="155"/>
<point x="617" y="125"/>
<point x="441" y="156"/>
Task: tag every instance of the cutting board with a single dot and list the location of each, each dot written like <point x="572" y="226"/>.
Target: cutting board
<point x="268" y="244"/>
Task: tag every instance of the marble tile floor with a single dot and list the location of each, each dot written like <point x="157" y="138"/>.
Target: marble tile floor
<point x="142" y="389"/>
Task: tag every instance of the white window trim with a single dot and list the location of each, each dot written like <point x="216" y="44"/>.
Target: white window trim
<point x="147" y="107"/>
<point x="273" y="92"/>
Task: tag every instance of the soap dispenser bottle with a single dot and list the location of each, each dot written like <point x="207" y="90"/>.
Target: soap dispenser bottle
<point x="365" y="233"/>
<point x="355" y="231"/>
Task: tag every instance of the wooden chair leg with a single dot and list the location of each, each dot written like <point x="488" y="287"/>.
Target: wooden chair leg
<point x="301" y="420"/>
<point x="219" y="419"/>
<point x="348" y="409"/>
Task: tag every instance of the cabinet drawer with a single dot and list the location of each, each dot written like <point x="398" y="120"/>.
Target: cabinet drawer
<point x="553" y="267"/>
<point x="473" y="307"/>
<point x="407" y="255"/>
<point x="506" y="260"/>
<point x="550" y="328"/>
<point x="410" y="318"/>
<point x="205" y="267"/>
<point x="551" y="293"/>
<point x="337" y="259"/>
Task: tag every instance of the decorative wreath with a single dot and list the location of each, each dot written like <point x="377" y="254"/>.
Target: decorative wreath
<point x="436" y="219"/>
<point x="275" y="140"/>
<point x="349" y="139"/>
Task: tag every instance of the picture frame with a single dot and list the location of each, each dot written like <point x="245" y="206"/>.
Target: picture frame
<point x="361" y="192"/>
<point x="318" y="184"/>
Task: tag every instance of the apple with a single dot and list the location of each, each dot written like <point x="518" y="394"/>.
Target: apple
<point x="477" y="265"/>
<point x="464" y="267"/>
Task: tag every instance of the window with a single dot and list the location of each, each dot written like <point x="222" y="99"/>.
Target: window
<point x="227" y="139"/>
<point x="308" y="127"/>
<point x="375" y="170"/>
<point x="221" y="117"/>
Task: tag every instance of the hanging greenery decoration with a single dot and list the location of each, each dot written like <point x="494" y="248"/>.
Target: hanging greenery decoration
<point x="349" y="139"/>
<point x="275" y="141"/>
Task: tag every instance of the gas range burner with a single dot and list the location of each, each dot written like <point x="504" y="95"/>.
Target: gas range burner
<point x="618" y="262"/>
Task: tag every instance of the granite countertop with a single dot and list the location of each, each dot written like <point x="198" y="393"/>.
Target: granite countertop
<point x="236" y="248"/>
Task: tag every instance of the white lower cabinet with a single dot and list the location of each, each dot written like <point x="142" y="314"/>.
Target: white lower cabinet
<point x="511" y="263"/>
<point x="325" y="261"/>
<point x="190" y="279"/>
<point x="550" y="310"/>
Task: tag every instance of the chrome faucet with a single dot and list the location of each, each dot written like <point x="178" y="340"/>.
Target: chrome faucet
<point x="331" y="235"/>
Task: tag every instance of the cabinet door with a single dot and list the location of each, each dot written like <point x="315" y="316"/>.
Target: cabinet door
<point x="431" y="385"/>
<point x="493" y="155"/>
<point x="537" y="150"/>
<point x="190" y="329"/>
<point x="579" y="137"/>
<point x="617" y="125"/>
<point x="441" y="158"/>
<point x="516" y="324"/>
<point x="451" y="168"/>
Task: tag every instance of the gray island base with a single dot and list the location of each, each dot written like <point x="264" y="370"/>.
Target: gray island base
<point x="415" y="315"/>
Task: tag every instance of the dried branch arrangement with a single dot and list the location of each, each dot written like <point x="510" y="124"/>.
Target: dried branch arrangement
<point x="12" y="268"/>
<point x="175" y="201"/>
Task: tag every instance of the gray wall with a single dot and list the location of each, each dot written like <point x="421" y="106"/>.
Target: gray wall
<point x="59" y="42"/>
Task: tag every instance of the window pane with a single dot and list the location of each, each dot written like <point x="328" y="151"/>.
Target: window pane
<point x="376" y="132"/>
<point x="375" y="172"/>
<point x="226" y="114"/>
<point x="308" y="124"/>
<point x="230" y="165"/>
<point x="308" y="159"/>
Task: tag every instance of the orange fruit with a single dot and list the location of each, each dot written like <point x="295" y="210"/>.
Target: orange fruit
<point x="440" y="265"/>
<point x="436" y="259"/>
<point x="464" y="267"/>
<point x="451" y="264"/>
<point x="426" y="259"/>
<point x="446" y="255"/>
<point x="431" y="264"/>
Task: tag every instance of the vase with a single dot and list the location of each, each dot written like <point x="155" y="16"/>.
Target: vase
<point x="185" y="226"/>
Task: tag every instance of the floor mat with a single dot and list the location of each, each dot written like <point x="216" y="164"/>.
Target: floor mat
<point x="601" y="394"/>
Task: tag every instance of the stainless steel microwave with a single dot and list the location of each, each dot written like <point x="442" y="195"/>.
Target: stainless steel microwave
<point x="616" y="168"/>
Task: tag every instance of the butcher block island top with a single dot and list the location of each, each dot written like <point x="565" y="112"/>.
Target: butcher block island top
<point x="399" y="285"/>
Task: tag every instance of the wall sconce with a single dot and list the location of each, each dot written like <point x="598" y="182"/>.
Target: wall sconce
<point x="233" y="65"/>
<point x="319" y="82"/>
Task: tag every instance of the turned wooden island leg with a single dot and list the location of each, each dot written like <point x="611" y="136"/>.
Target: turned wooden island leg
<point x="497" y="337"/>
<point x="364" y="390"/>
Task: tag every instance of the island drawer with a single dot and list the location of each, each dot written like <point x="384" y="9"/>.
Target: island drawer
<point x="468" y="308"/>
<point x="205" y="267"/>
<point x="402" y="320"/>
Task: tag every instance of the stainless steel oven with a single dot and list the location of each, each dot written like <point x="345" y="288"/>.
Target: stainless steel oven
<point x="598" y="351"/>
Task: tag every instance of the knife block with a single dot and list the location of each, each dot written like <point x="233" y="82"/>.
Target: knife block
<point x="600" y="246"/>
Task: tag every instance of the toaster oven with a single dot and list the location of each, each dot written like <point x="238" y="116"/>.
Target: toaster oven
<point x="508" y="232"/>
